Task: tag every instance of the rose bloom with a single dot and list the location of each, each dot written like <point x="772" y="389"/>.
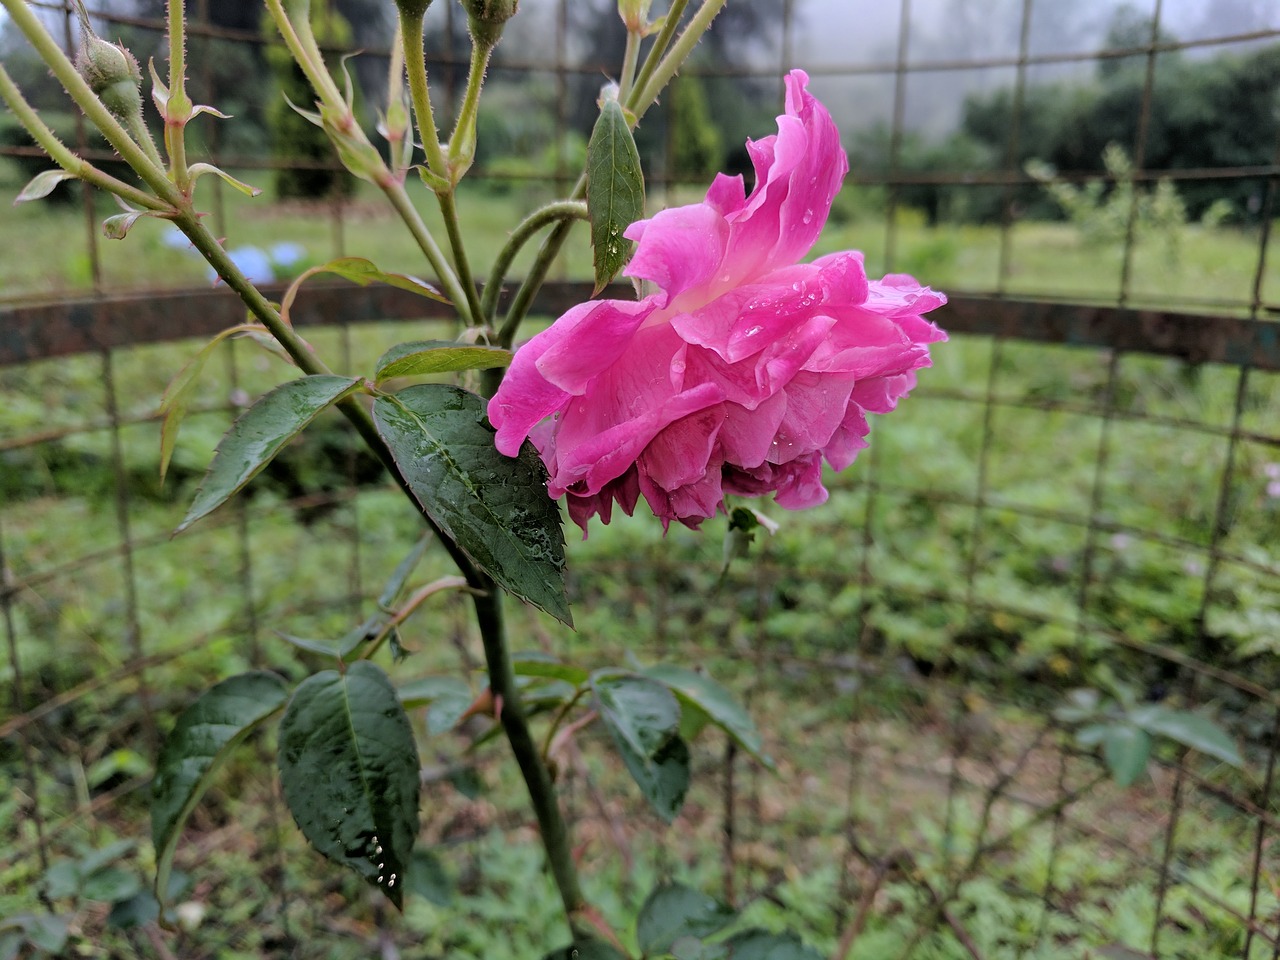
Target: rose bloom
<point x="743" y="369"/>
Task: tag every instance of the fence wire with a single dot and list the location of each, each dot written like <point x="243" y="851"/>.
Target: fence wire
<point x="1087" y="485"/>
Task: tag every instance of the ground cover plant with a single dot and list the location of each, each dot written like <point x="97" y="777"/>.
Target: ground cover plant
<point x="639" y="909"/>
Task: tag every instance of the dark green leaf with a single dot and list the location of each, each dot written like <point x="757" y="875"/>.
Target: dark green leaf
<point x="586" y="949"/>
<point x="141" y="908"/>
<point x="260" y="433"/>
<point x="200" y="741"/>
<point x="43" y="931"/>
<point x="714" y="700"/>
<point x="761" y="945"/>
<point x="427" y="878"/>
<point x="438" y="356"/>
<point x="111" y="884"/>
<point x="663" y="778"/>
<point x="62" y="879"/>
<point x="1188" y="729"/>
<point x="1126" y="750"/>
<point x="95" y="860"/>
<point x="691" y="948"/>
<point x="361" y="634"/>
<point x="349" y="769"/>
<point x="639" y="711"/>
<point x="642" y="716"/>
<point x="673" y="911"/>
<point x="540" y="694"/>
<point x="615" y="190"/>
<point x="495" y="508"/>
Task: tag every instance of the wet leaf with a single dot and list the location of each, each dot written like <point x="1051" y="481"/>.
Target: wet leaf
<point x="701" y="692"/>
<point x="260" y="433"/>
<point x="615" y="190"/>
<point x="349" y="769"/>
<point x="495" y="508"/>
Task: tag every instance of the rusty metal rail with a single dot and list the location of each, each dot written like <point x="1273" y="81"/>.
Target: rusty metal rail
<point x="65" y="327"/>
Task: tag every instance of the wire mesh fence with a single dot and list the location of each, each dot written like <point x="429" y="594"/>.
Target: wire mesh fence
<point x="1083" y="492"/>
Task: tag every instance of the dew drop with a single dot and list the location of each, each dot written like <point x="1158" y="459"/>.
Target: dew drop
<point x="754" y="330"/>
<point x="808" y="216"/>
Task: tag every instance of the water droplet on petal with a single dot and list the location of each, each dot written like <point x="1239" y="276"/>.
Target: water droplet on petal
<point x="808" y="216"/>
<point x="754" y="330"/>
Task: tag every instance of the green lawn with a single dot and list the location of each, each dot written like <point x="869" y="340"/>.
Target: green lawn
<point x="47" y="248"/>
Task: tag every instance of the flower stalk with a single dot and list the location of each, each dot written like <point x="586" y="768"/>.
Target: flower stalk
<point x="643" y="97"/>
<point x="178" y="108"/>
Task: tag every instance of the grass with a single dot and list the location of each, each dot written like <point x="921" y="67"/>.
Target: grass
<point x="1213" y="270"/>
<point x="982" y="613"/>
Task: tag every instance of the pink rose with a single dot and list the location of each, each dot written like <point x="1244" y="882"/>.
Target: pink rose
<point x="743" y="370"/>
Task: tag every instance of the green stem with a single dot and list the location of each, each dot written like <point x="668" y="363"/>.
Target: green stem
<point x="416" y="67"/>
<point x="537" y="274"/>
<point x="65" y="72"/>
<point x="660" y="43"/>
<point x="306" y="53"/>
<point x="63" y="157"/>
<point x="399" y="197"/>
<point x="551" y="823"/>
<point x="453" y="230"/>
<point x="551" y="213"/>
<point x="629" y="60"/>
<point x="178" y="108"/>
<point x="465" y="125"/>
<point x="643" y="97"/>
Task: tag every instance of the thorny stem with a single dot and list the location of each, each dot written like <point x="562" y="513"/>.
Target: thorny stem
<point x="65" y="158"/>
<point x="660" y="43"/>
<point x="437" y="164"/>
<point x="306" y="53"/>
<point x="542" y="794"/>
<point x="416" y="66"/>
<point x="399" y="197"/>
<point x="643" y="97"/>
<point x="178" y="108"/>
<point x="453" y="229"/>
<point x="629" y="60"/>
